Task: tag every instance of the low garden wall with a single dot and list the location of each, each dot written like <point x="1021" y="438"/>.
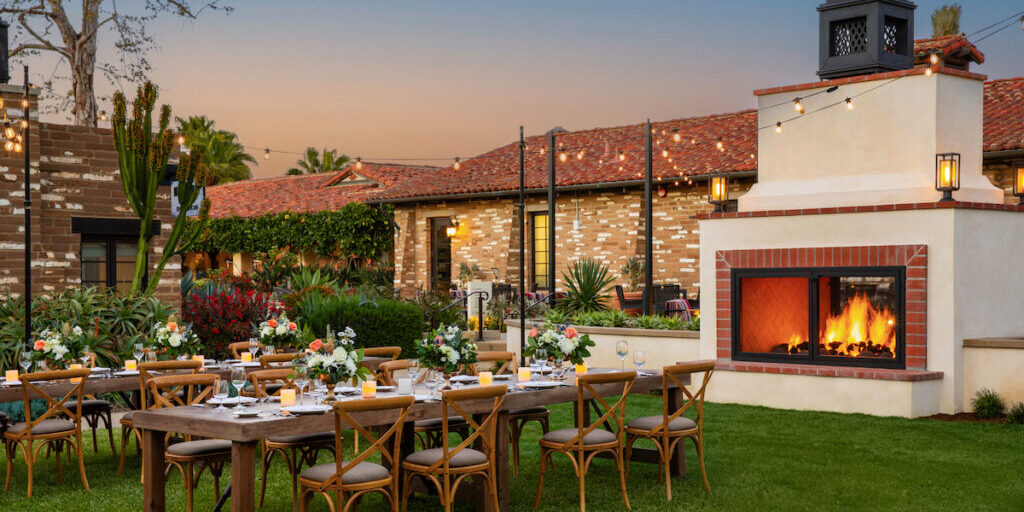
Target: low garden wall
<point x="994" y="363"/>
<point x="662" y="347"/>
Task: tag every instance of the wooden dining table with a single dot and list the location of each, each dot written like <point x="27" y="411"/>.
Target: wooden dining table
<point x="245" y="434"/>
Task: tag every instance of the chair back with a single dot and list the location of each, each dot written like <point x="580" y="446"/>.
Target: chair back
<point x="694" y="398"/>
<point x="240" y="346"/>
<point x="482" y="433"/>
<point x="268" y="361"/>
<point x="613" y="415"/>
<point x="260" y="379"/>
<point x="147" y="369"/>
<point x="389" y="456"/>
<point x="392" y="352"/>
<point x="56" y="405"/>
<point x="165" y="389"/>
<point x="501" y="362"/>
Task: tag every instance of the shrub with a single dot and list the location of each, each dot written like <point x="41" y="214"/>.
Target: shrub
<point x="377" y="323"/>
<point x="633" y="270"/>
<point x="1016" y="413"/>
<point x="987" y="404"/>
<point x="430" y="303"/>
<point x="224" y="317"/>
<point x="609" y="318"/>
<point x="554" y="316"/>
<point x="271" y="270"/>
<point x="693" y="324"/>
<point x="586" y="285"/>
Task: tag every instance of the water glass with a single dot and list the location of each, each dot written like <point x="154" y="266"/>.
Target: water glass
<point x="301" y="379"/>
<point x="138" y="350"/>
<point x="639" y="358"/>
<point x="319" y="390"/>
<point x="221" y="391"/>
<point x="414" y="371"/>
<point x="85" y="356"/>
<point x="254" y="346"/>
<point x="269" y="350"/>
<point x="622" y="350"/>
<point x="431" y="381"/>
<point x="26" y="363"/>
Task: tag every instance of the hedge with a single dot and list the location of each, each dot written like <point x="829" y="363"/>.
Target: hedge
<point x="378" y="323"/>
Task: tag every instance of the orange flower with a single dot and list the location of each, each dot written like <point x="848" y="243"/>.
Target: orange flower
<point x="172" y="326"/>
<point x="316" y="345"/>
<point x="272" y="323"/>
<point x="39" y="344"/>
<point x="533" y="332"/>
<point x="571" y="333"/>
<point x="292" y="326"/>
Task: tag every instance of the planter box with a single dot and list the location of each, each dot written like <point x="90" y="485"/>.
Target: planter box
<point x="662" y="347"/>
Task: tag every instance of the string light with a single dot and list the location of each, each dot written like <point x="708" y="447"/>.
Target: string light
<point x="778" y="127"/>
<point x="720" y="145"/>
<point x="676" y="136"/>
<point x="9" y="133"/>
<point x="664" y="153"/>
<point x="849" y="103"/>
<point x="181" y="139"/>
<point x="266" y="154"/>
<point x="562" y="156"/>
<point x="928" y="72"/>
<point x="103" y="115"/>
<point x="622" y="156"/>
<point x="457" y="164"/>
<point x="579" y="155"/>
<point x="24" y="103"/>
<point x="359" y="163"/>
<point x="934" y="58"/>
<point x="798" y="105"/>
<point x="693" y="142"/>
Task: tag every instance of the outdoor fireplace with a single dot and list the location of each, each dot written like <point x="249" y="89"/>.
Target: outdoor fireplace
<point x="851" y="316"/>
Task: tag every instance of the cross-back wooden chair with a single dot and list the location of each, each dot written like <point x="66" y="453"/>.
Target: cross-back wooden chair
<point x="60" y="425"/>
<point x="183" y="391"/>
<point x="427" y="431"/>
<point x="268" y="361"/>
<point x="146" y="370"/>
<point x="95" y="411"/>
<point x="240" y="346"/>
<point x="296" y="449"/>
<point x="670" y="427"/>
<point x="448" y="466"/>
<point x="386" y="372"/>
<point x="582" y="443"/>
<point x="392" y="352"/>
<point x="351" y="479"/>
<point x="497" y="362"/>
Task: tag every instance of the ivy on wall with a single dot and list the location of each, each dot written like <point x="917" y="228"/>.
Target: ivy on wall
<point x="356" y="231"/>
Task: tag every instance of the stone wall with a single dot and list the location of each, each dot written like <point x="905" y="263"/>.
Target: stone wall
<point x="74" y="174"/>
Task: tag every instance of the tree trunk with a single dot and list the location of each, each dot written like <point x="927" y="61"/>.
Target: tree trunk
<point x="83" y="67"/>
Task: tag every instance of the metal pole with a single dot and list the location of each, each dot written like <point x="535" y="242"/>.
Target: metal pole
<point x="648" y="220"/>
<point x="551" y="218"/>
<point x="28" y="221"/>
<point x="480" y="317"/>
<point x="522" y="247"/>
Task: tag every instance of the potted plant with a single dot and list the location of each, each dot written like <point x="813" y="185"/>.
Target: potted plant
<point x="467" y="272"/>
<point x="633" y="270"/>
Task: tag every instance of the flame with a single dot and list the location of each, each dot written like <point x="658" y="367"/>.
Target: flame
<point x="794" y="340"/>
<point x="859" y="325"/>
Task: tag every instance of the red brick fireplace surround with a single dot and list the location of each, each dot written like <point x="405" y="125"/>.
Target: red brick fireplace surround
<point x="913" y="257"/>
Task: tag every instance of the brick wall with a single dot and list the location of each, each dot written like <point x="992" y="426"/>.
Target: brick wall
<point x="74" y="174"/>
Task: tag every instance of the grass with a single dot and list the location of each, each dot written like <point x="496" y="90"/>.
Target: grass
<point x="757" y="459"/>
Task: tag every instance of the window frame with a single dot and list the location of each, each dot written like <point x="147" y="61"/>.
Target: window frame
<point x="110" y="242"/>
<point x="534" y="282"/>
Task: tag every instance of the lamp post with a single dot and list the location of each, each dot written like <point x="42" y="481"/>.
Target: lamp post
<point x="25" y="102"/>
<point x="648" y="220"/>
<point x="551" y="218"/>
<point x="522" y="247"/>
<point x="947" y="175"/>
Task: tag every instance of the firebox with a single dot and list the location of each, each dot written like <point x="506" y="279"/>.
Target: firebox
<point x="850" y="316"/>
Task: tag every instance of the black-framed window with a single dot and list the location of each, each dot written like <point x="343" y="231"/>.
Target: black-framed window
<point x="108" y="261"/>
<point x="539" y="254"/>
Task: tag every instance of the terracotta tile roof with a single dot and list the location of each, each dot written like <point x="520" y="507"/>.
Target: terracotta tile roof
<point x="306" y="193"/>
<point x="1004" y="115"/>
<point x="498" y="170"/>
<point x="946" y="45"/>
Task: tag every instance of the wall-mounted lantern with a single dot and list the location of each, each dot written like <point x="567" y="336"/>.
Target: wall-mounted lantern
<point x="453" y="227"/>
<point x="718" y="192"/>
<point x="947" y="174"/>
<point x="1018" y="182"/>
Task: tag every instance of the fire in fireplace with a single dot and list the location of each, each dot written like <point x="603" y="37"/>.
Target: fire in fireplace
<point x="846" y="316"/>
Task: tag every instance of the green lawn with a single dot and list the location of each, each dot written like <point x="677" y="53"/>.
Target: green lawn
<point x="757" y="458"/>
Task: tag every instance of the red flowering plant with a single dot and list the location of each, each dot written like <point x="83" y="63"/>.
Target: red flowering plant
<point x="225" y="316"/>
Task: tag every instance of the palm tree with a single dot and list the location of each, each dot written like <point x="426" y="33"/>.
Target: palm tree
<point x="223" y="156"/>
<point x="946" y="20"/>
<point x="313" y="162"/>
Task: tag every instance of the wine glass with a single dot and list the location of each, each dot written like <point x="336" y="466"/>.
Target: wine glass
<point x="238" y="380"/>
<point x="86" y="355"/>
<point x="319" y="390"/>
<point x="269" y="350"/>
<point x="26" y="363"/>
<point x="542" y="356"/>
<point x="431" y="381"/>
<point x="414" y="371"/>
<point x="639" y="358"/>
<point x="254" y="346"/>
<point x="301" y="379"/>
<point x="622" y="350"/>
<point x="221" y="390"/>
<point x="138" y="350"/>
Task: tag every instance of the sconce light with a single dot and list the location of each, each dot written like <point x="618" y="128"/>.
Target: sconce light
<point x="1018" y="182"/>
<point x="718" y="192"/>
<point x="947" y="174"/>
<point x="452" y="228"/>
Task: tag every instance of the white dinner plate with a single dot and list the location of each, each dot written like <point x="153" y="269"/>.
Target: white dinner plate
<point x="274" y="398"/>
<point x="235" y="400"/>
<point x="540" y="384"/>
<point x="126" y="373"/>
<point x="422" y="398"/>
<point x="504" y="376"/>
<point x="385" y="389"/>
<point x="100" y="369"/>
<point x="247" y="413"/>
<point x="12" y="383"/>
<point x="347" y="390"/>
<point x="307" y="409"/>
<point x="464" y="378"/>
<point x="254" y="364"/>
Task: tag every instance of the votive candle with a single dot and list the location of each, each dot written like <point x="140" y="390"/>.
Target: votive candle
<point x="75" y="366"/>
<point x="11" y="375"/>
<point x="369" y="389"/>
<point x="486" y="378"/>
<point x="246" y="357"/>
<point x="524" y="373"/>
<point x="287" y="397"/>
<point x="581" y="369"/>
<point x="199" y="357"/>
<point x="130" y="364"/>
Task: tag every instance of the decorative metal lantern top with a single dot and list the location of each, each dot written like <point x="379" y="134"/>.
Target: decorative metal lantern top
<point x="859" y="37"/>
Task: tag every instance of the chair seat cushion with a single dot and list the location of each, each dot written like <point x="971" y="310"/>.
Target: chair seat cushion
<point x="466" y="457"/>
<point x="529" y="411"/>
<point x="650" y="422"/>
<point x="315" y="437"/>
<point x="198" y="448"/>
<point x="93" y="405"/>
<point x="362" y="472"/>
<point x="436" y="423"/>
<point x="126" y="418"/>
<point x="596" y="436"/>
<point x="49" y="426"/>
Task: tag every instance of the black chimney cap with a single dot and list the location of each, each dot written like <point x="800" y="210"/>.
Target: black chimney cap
<point x="859" y="37"/>
<point x="5" y="74"/>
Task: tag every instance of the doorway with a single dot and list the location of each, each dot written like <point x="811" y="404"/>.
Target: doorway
<point x="440" y="254"/>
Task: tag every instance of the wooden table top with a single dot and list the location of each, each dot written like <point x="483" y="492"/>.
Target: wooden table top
<point x="207" y="421"/>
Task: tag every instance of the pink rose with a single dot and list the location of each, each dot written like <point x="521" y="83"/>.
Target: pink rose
<point x="272" y="323"/>
<point x="292" y="326"/>
<point x="571" y="333"/>
<point x="39" y="345"/>
<point x="533" y="332"/>
<point x="316" y="345"/>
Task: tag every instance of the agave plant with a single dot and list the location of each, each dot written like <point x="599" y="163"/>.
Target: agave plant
<point x="587" y="284"/>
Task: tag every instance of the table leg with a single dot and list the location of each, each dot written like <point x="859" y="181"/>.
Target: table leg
<point x="502" y="474"/>
<point x="243" y="476"/>
<point x="677" y="466"/>
<point x="153" y="470"/>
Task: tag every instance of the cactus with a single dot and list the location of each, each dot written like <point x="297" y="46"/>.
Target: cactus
<point x="142" y="155"/>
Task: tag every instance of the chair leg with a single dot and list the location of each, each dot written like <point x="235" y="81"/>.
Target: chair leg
<point x="699" y="443"/>
<point x="94" y="422"/>
<point x="622" y="476"/>
<point x="59" y="450"/>
<point x="10" y="465"/>
<point x="109" y="422"/>
<point x="582" y="478"/>
<point x="188" y="487"/>
<point x="126" y="434"/>
<point x="30" y="460"/>
<point x="406" y="488"/>
<point x="264" y="467"/>
<point x="540" y="477"/>
<point x="80" y="451"/>
<point x="514" y="430"/>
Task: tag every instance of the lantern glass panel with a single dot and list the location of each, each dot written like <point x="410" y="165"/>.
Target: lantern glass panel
<point x="1018" y="182"/>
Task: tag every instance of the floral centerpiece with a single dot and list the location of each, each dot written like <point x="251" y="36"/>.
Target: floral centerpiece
<point x="560" y="342"/>
<point x="334" y="361"/>
<point x="176" y="339"/>
<point x="278" y="331"/>
<point x="446" y="350"/>
<point x="58" y="347"/>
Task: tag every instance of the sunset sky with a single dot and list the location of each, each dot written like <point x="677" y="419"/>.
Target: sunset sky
<point x="438" y="79"/>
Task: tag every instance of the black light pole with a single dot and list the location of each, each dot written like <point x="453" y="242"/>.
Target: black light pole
<point x="28" y="220"/>
<point x="551" y="217"/>
<point x="648" y="220"/>
<point x="522" y="247"/>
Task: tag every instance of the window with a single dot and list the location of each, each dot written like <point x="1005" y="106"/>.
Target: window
<point x="108" y="261"/>
<point x="539" y="250"/>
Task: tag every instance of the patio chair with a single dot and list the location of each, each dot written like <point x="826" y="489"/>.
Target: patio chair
<point x="670" y="427"/>
<point x="392" y="352"/>
<point x="55" y="428"/>
<point x="295" y="449"/>
<point x="94" y="411"/>
<point x="270" y="361"/>
<point x="446" y="467"/>
<point x="625" y="303"/>
<point x="186" y="455"/>
<point x="240" y="346"/>
<point x="351" y="479"/>
<point x="386" y="372"/>
<point x="584" y="442"/>
<point x="147" y="370"/>
<point x="662" y="294"/>
<point x="517" y="418"/>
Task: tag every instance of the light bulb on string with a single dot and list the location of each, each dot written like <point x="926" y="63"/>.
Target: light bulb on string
<point x="579" y="155"/>
<point x="934" y="58"/>
<point x="103" y="115"/>
<point x="849" y="103"/>
<point x="181" y="140"/>
<point x="359" y="163"/>
<point x="676" y="137"/>
<point x="778" y="127"/>
<point x="693" y="142"/>
<point x="24" y="103"/>
<point x="8" y="132"/>
<point x="9" y="145"/>
<point x="720" y="145"/>
<point x="24" y="124"/>
<point x="266" y="154"/>
<point x="928" y="72"/>
<point x="798" y="105"/>
<point x="562" y="156"/>
<point x="457" y="164"/>
<point x="664" y="153"/>
<point x="622" y="156"/>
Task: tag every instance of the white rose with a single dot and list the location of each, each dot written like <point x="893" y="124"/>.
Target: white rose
<point x="266" y="331"/>
<point x="350" y="364"/>
<point x="174" y="340"/>
<point x="77" y="330"/>
<point x="282" y="328"/>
